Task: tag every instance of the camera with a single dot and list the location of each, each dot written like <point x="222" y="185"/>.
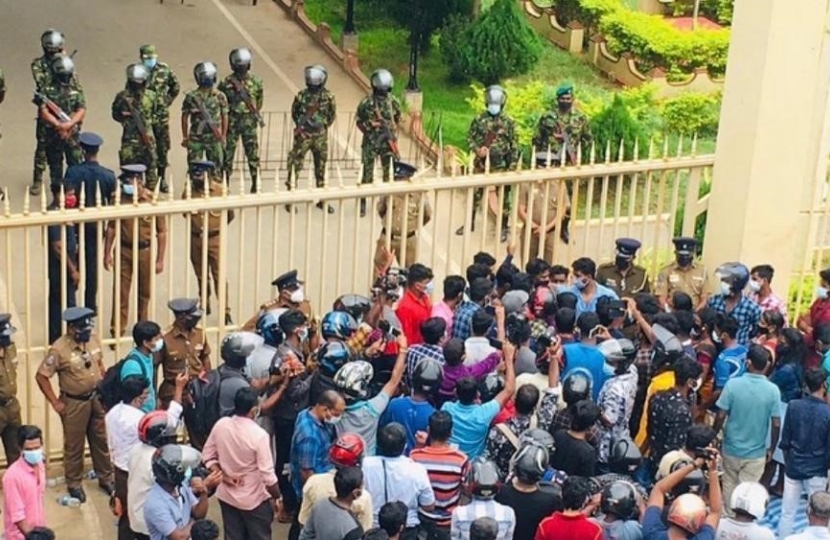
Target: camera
<point x="389" y="283"/>
<point x="517" y="329"/>
<point x="544" y="341"/>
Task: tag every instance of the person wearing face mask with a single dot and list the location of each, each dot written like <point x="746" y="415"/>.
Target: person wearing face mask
<point x="206" y="232"/>
<point x="77" y="359"/>
<point x="684" y="274"/>
<point x="24" y="486"/>
<point x="205" y="117"/>
<point x="141" y="360"/>
<point x="731" y="300"/>
<point x="333" y="517"/>
<point x="63" y="259"/>
<point x="291" y="295"/>
<point x="186" y="349"/>
<point x="409" y="212"/>
<point x="313" y="112"/>
<point x="623" y="276"/>
<point x="760" y="290"/>
<point x="378" y="116"/>
<point x="146" y="231"/>
<point x="136" y="108"/>
<point x="10" y="420"/>
<point x="166" y="86"/>
<point x="585" y="286"/>
<point x="819" y="313"/>
<point x="493" y="139"/>
<point x="415" y="306"/>
<point x="565" y="131"/>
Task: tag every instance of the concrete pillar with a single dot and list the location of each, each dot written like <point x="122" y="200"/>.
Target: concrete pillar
<point x="655" y="7"/>
<point x="772" y="148"/>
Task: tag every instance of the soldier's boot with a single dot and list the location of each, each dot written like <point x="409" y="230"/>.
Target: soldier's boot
<point x="254" y="181"/>
<point x="505" y="229"/>
<point x="36" y="187"/>
<point x="163" y="186"/>
<point x="565" y="233"/>
<point x="228" y="319"/>
<point x="460" y="230"/>
<point x="362" y="206"/>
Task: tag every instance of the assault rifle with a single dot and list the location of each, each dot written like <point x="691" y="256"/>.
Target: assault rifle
<point x="240" y="89"/>
<point x="388" y="135"/>
<point x="566" y="154"/>
<point x="306" y="119"/>
<point x="138" y="118"/>
<point x="206" y="119"/>
<point x="41" y="100"/>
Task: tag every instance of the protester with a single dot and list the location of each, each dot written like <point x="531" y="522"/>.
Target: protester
<point x="332" y="517"/>
<point x="748" y="503"/>
<point x="24" y="486"/>
<point x="453" y="296"/>
<point x="572" y="522"/>
<point x="482" y="485"/>
<point x="818" y="518"/>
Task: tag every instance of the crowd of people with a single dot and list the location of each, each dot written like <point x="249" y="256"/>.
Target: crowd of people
<point x="540" y="402"/>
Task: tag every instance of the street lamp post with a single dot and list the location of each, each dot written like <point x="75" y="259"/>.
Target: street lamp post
<point x="349" y="27"/>
<point x="412" y="85"/>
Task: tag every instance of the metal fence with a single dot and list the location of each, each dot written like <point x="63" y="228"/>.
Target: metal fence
<point x="651" y="199"/>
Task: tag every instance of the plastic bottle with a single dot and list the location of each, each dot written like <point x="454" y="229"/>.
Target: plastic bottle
<point x="66" y="500"/>
<point x="91" y="475"/>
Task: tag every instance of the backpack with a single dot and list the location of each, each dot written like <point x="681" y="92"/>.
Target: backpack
<point x="109" y="388"/>
<point x="204" y="411"/>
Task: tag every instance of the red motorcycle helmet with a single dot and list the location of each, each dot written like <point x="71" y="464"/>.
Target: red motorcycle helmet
<point x="154" y="430"/>
<point x="347" y="450"/>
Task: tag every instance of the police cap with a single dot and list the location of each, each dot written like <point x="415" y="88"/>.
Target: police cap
<point x="183" y="305"/>
<point x="6" y="328"/>
<point x="78" y="316"/>
<point x="132" y="170"/>
<point x="287" y="281"/>
<point x="200" y="166"/>
<point x="545" y="159"/>
<point x="685" y="245"/>
<point x="627" y="247"/>
<point x="90" y="140"/>
<point x="404" y="171"/>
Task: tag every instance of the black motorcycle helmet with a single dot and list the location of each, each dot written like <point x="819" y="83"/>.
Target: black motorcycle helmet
<point x="171" y="462"/>
<point x="490" y="386"/>
<point x="529" y="463"/>
<point x="620" y="499"/>
<point x="694" y="482"/>
<point x="667" y="348"/>
<point x="482" y="479"/>
<point x="427" y="377"/>
<point x="576" y="387"/>
<point x="625" y="456"/>
<point x="539" y="437"/>
<point x="354" y="304"/>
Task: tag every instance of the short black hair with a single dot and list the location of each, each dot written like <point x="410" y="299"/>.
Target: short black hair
<point x="482" y="257"/>
<point x="565" y="320"/>
<point x="453" y="286"/>
<point x="391" y="440"/>
<point x="346" y="480"/>
<point x="433" y="329"/>
<point x="587" y="321"/>
<point x="291" y="320"/>
<point x="454" y="351"/>
<point x="647" y="304"/>
<point x="481" y="323"/>
<point x="814" y="379"/>
<point x="145" y="331"/>
<point x="566" y="300"/>
<point x="699" y="436"/>
<point x="727" y="324"/>
<point x="522" y="281"/>
<point x="476" y="271"/>
<point x="666" y="320"/>
<point x="440" y="426"/>
<point x="527" y="397"/>
<point x="825" y="275"/>
<point x="375" y="534"/>
<point x="418" y="272"/>
<point x="575" y="492"/>
<point x="584" y="415"/>
<point x="329" y="398"/>
<point x="764" y="271"/>
<point x="558" y="270"/>
<point x="480" y="288"/>
<point x="505" y="274"/>
<point x="682" y="301"/>
<point x="537" y="266"/>
<point x="244" y="400"/>
<point x="484" y="528"/>
<point x="759" y="357"/>
<point x="466" y="389"/>
<point x="773" y="317"/>
<point x="708" y="318"/>
<point x="45" y="533"/>
<point x="204" y="529"/>
<point x="685" y="322"/>
<point x="132" y="386"/>
<point x="392" y="517"/>
<point x="28" y="432"/>
<point x="585" y="266"/>
<point x="686" y="369"/>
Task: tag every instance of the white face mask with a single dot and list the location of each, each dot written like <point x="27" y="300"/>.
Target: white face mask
<point x="493" y="109"/>
<point x="430" y="288"/>
<point x="821" y="292"/>
<point x="298" y="295"/>
<point x="754" y="286"/>
<point x="725" y="288"/>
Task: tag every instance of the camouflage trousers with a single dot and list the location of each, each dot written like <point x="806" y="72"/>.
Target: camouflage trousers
<point x="161" y="132"/>
<point x="242" y="126"/>
<point x="211" y="150"/>
<point x="138" y="152"/>
<point x="478" y="195"/>
<point x="318" y="145"/>
<point x="369" y="153"/>
<point x="57" y="150"/>
<point x="40" y="153"/>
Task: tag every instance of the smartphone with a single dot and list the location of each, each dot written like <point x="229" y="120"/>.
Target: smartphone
<point x="394" y="332"/>
<point x="496" y="344"/>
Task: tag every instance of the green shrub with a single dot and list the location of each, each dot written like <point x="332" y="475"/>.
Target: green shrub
<point x="614" y="124"/>
<point x="692" y="113"/>
<point x="805" y="285"/>
<point x="454" y="47"/>
<point x="425" y="17"/>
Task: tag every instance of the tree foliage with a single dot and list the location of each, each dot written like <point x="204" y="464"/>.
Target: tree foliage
<point x="615" y="125"/>
<point x="424" y="17"/>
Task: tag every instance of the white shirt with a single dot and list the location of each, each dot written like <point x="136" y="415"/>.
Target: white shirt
<point x="539" y="380"/>
<point x="397" y="479"/>
<point x="139" y="483"/>
<point x="729" y="529"/>
<point x="477" y="349"/>
<point x="811" y="533"/>
<point x="463" y="517"/>
<point x="122" y="430"/>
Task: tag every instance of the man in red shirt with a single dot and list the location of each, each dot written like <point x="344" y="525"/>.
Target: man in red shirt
<point x="572" y="523"/>
<point x="415" y="306"/>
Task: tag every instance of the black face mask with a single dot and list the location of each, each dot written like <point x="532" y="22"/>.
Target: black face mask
<point x="5" y="341"/>
<point x="622" y="263"/>
<point x="198" y="184"/>
<point x="684" y="260"/>
<point x="782" y="350"/>
<point x="83" y="336"/>
<point x="565" y="106"/>
<point x="190" y="322"/>
<point x="380" y="93"/>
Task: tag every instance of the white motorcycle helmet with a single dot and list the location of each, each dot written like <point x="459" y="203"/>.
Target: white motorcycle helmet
<point x="751" y="498"/>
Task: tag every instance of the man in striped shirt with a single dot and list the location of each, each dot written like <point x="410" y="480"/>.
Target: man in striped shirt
<point x="446" y="468"/>
<point x="482" y="483"/>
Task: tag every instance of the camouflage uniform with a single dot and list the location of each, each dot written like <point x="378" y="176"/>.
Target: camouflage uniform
<point x="201" y="141"/>
<point x="70" y="100"/>
<point x="375" y="109"/>
<point x="313" y="113"/>
<point x="133" y="148"/>
<point x="555" y="125"/>
<point x="166" y="86"/>
<point x="242" y="122"/>
<point x="504" y="152"/>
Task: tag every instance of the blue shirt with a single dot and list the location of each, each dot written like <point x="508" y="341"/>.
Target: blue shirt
<point x="746" y="312"/>
<point x="805" y="438"/>
<point x="581" y="305"/>
<point x="586" y="359"/>
<point x="141" y="365"/>
<point x="751" y="402"/>
<point x="164" y="513"/>
<point x="462" y="323"/>
<point x="89" y="176"/>
<point x="729" y="364"/>
<point x="654" y="529"/>
<point x="309" y="448"/>
<point x="787" y="377"/>
<point x="412" y="415"/>
<point x="470" y="424"/>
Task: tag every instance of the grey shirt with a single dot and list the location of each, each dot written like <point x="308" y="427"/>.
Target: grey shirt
<point x="329" y="521"/>
<point x="362" y="418"/>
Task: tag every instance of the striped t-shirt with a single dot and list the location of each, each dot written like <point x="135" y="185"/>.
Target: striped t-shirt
<point x="445" y="467"/>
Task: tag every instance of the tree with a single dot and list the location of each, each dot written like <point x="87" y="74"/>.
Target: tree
<point x="614" y="125"/>
<point x="424" y="17"/>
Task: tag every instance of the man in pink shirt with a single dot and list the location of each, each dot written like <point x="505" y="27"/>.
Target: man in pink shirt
<point x="453" y="295"/>
<point x="24" y="485"/>
<point x="249" y="494"/>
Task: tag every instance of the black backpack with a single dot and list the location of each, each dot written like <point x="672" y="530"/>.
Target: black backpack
<point x="204" y="410"/>
<point x="109" y="388"/>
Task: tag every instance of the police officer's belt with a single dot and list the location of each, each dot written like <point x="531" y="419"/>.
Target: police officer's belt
<point x="80" y="397"/>
<point x="409" y="234"/>
<point x="210" y="234"/>
<point x="142" y="244"/>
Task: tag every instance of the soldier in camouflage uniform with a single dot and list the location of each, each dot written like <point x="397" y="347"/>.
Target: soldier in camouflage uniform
<point x="61" y="135"/>
<point x="205" y="117"/>
<point x="166" y="86"/>
<point x="377" y="118"/>
<point x="137" y="110"/>
<point x="493" y="134"/>
<point x="313" y="113"/>
<point x="52" y="42"/>
<point x="244" y="92"/>
<point x="565" y="133"/>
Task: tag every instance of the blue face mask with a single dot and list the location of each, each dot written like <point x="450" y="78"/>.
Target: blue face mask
<point x="150" y="63"/>
<point x="128" y="189"/>
<point x="33" y="457"/>
<point x="493" y="110"/>
<point x="188" y="474"/>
